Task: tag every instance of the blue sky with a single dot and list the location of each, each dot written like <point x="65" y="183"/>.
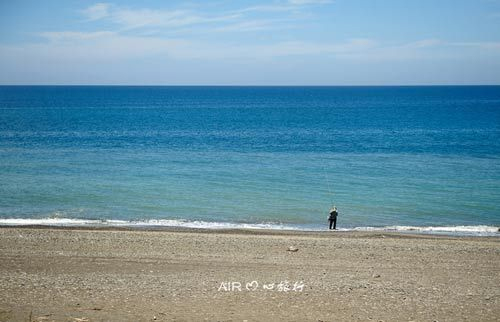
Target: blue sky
<point x="282" y="42"/>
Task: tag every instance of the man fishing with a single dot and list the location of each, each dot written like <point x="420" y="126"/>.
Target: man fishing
<point x="333" y="217"/>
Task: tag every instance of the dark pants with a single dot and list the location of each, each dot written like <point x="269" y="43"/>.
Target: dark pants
<point x="333" y="222"/>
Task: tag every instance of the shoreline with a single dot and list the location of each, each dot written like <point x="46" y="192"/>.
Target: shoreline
<point x="256" y="231"/>
<point x="173" y="224"/>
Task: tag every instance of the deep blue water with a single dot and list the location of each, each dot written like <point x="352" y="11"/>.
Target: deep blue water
<point x="406" y="156"/>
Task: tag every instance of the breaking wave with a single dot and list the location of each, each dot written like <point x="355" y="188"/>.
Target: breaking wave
<point x="479" y="230"/>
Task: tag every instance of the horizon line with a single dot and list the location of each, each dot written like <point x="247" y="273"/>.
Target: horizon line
<point x="249" y="85"/>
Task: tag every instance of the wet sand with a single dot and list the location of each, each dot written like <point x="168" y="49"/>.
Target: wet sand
<point x="67" y="274"/>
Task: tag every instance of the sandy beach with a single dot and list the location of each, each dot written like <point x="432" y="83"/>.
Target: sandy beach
<point x="49" y="274"/>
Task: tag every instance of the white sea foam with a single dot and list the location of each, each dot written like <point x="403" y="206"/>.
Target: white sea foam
<point x="479" y="230"/>
<point x="452" y="230"/>
<point x="146" y="223"/>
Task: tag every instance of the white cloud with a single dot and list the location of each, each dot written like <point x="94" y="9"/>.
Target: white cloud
<point x="141" y="18"/>
<point x="129" y="18"/>
<point x="97" y="11"/>
<point x="424" y="43"/>
<point x="291" y="5"/>
<point x="110" y="46"/>
<point x="299" y="48"/>
<point x="267" y="8"/>
<point x="153" y="18"/>
<point x="95" y="47"/>
<point x="253" y="25"/>
<point x="308" y="2"/>
<point x="104" y="56"/>
<point x="186" y="38"/>
<point x="479" y="45"/>
<point x="55" y="36"/>
<point x="107" y="45"/>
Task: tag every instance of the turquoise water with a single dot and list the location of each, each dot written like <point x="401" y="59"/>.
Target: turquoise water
<point x="276" y="157"/>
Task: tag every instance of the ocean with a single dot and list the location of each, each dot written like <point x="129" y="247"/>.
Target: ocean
<point x="419" y="159"/>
